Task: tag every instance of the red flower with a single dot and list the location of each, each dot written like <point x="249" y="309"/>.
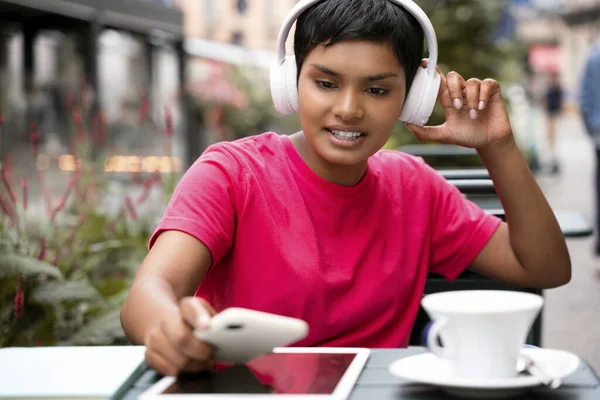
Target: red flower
<point x="45" y="192"/>
<point x="168" y="123"/>
<point x="148" y="183"/>
<point x="63" y="201"/>
<point x="99" y="130"/>
<point x="131" y="208"/>
<point x="144" y="108"/>
<point x="34" y="137"/>
<point x="78" y="121"/>
<point x="19" y="299"/>
<point x="6" y="180"/>
<point x="25" y="186"/>
<point x="43" y="248"/>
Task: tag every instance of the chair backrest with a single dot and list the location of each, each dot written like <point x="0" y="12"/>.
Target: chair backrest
<point x="464" y="173"/>
<point x="474" y="186"/>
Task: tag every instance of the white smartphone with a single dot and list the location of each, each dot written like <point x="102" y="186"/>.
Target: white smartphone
<point x="240" y="334"/>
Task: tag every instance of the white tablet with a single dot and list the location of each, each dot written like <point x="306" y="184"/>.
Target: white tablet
<point x="301" y="373"/>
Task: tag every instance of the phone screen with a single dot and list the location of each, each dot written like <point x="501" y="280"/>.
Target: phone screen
<point x="275" y="373"/>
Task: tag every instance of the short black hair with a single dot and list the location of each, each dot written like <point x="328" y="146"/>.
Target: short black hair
<point x="382" y="21"/>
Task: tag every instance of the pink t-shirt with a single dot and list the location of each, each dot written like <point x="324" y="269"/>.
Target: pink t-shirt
<point x="350" y="260"/>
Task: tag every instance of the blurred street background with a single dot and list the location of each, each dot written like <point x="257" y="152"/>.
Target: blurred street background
<point x="570" y="319"/>
<point x="104" y="104"/>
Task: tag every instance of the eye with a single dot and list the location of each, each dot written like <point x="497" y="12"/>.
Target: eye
<point x="377" y="91"/>
<point x="325" y="85"/>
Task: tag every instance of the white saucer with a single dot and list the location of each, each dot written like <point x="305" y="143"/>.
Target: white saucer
<point x="429" y="369"/>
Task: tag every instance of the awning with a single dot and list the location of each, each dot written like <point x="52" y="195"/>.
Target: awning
<point x="133" y="15"/>
<point x="229" y="53"/>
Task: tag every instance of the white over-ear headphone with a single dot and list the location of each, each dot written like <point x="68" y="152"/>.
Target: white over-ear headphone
<point x="422" y="94"/>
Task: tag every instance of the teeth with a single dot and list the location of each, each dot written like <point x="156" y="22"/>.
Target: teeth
<point x="346" y="135"/>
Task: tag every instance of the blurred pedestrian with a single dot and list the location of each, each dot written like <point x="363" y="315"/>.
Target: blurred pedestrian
<point x="590" y="111"/>
<point x="553" y="102"/>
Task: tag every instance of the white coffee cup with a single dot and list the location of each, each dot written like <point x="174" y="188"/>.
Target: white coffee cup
<point x="482" y="330"/>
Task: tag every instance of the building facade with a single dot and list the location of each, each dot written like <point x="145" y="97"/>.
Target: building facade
<point x="253" y="24"/>
<point x="559" y="34"/>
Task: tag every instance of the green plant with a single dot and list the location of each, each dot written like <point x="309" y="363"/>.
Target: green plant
<point x="65" y="273"/>
<point x="236" y="102"/>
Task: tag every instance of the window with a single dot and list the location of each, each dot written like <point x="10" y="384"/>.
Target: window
<point x="237" y="38"/>
<point x="242" y="5"/>
<point x="269" y="11"/>
<point x="209" y="10"/>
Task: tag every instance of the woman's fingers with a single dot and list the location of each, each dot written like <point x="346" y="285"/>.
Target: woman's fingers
<point x="456" y="83"/>
<point x="181" y="340"/>
<point x="472" y="99"/>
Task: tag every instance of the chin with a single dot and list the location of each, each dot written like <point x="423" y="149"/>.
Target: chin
<point x="344" y="157"/>
<point x="332" y="154"/>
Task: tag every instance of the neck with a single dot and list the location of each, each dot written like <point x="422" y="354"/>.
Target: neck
<point x="339" y="174"/>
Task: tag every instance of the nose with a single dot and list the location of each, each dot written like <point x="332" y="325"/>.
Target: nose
<point x="348" y="105"/>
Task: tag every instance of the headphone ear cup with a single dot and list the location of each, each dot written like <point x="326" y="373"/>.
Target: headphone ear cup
<point x="291" y="81"/>
<point x="421" y="98"/>
<point x="430" y="96"/>
<point x="284" y="88"/>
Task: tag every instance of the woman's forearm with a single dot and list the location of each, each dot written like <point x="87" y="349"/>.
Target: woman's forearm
<point x="149" y="300"/>
<point x="535" y="235"/>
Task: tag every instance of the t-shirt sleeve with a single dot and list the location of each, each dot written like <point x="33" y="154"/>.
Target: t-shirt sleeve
<point x="459" y="228"/>
<point x="205" y="201"/>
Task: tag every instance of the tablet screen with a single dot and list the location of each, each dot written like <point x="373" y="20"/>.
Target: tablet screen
<point x="276" y="373"/>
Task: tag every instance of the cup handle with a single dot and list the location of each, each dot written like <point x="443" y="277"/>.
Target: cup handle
<point x="433" y="335"/>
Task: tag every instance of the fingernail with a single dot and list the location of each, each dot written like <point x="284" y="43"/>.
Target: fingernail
<point x="457" y="103"/>
<point x="407" y="125"/>
<point x="481" y="105"/>
<point x="203" y="322"/>
<point x="473" y="114"/>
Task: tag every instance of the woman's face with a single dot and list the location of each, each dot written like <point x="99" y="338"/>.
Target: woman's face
<point x="350" y="97"/>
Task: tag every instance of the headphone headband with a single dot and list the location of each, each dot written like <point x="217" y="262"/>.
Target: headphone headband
<point x="408" y="5"/>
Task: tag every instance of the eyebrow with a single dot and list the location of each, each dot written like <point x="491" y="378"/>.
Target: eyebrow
<point x="372" y="78"/>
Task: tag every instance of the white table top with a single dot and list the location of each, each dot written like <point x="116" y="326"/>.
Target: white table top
<point x="66" y="372"/>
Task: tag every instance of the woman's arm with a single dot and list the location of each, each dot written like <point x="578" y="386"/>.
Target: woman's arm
<point x="530" y="249"/>
<point x="161" y="312"/>
<point x="172" y="270"/>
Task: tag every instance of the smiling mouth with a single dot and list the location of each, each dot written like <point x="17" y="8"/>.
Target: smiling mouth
<point x="343" y="135"/>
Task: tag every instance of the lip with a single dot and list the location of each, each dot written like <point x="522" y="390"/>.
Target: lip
<point x="345" y="144"/>
<point x="346" y="129"/>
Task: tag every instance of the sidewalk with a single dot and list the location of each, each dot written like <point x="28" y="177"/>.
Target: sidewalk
<point x="571" y="320"/>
